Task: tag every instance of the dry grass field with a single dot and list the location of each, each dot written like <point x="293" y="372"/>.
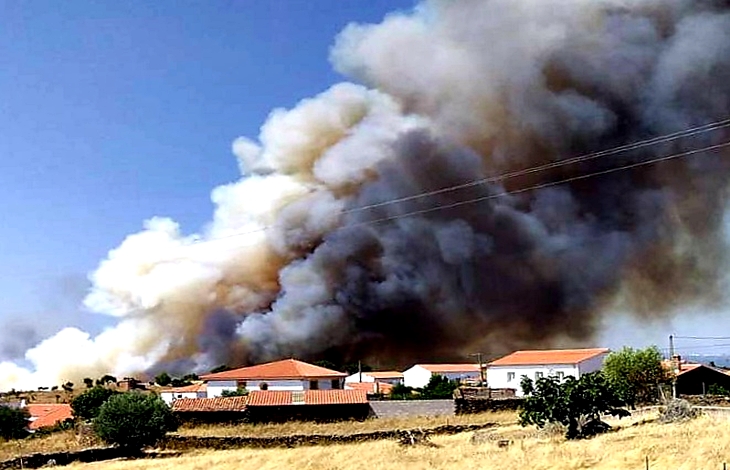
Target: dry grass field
<point x="703" y="443"/>
<point x="345" y="427"/>
<point x="64" y="441"/>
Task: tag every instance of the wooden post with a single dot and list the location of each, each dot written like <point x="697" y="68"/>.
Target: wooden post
<point x="647" y="462"/>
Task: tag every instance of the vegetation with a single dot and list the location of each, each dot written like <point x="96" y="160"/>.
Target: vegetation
<point x="106" y="380"/>
<point x="86" y="406"/>
<point x="401" y="392"/>
<point x="13" y="422"/>
<point x="716" y="389"/>
<point x="68" y="387"/>
<point x="702" y="443"/>
<point x="574" y="403"/>
<point x="220" y="368"/>
<point x="439" y="387"/>
<point x="239" y="392"/>
<point x="163" y="379"/>
<point x="636" y="374"/>
<point x="89" y="382"/>
<point x="134" y="421"/>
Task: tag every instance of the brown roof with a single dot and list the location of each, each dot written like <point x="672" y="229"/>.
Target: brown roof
<point x="307" y="397"/>
<point x="370" y="387"/>
<point x="45" y="415"/>
<point x="450" y="368"/>
<point x="287" y="369"/>
<point x="547" y="357"/>
<point x="187" y="405"/>
<point x="187" y="389"/>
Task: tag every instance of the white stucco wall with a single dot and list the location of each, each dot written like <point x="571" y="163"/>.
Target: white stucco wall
<point x="499" y="376"/>
<point x="593" y="364"/>
<point x="370" y="379"/>
<point x="168" y="397"/>
<point x="215" y="388"/>
<point x="418" y="377"/>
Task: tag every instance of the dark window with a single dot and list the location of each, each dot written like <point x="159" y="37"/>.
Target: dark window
<point x="335" y="384"/>
<point x="313" y="385"/>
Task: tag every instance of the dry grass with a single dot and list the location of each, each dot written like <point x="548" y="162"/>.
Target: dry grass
<point x="347" y="427"/>
<point x="701" y="443"/>
<point x="57" y="442"/>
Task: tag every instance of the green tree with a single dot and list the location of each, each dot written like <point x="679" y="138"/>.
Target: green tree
<point x="163" y="379"/>
<point x="86" y="406"/>
<point x="89" y="382"/>
<point x="577" y="404"/>
<point x="401" y="392"/>
<point x="134" y="421"/>
<point x="13" y="422"/>
<point x="239" y="392"/>
<point x="439" y="387"/>
<point x="106" y="380"/>
<point x="68" y="387"/>
<point x="636" y="374"/>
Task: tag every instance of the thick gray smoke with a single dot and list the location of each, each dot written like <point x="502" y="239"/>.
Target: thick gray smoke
<point x="455" y="91"/>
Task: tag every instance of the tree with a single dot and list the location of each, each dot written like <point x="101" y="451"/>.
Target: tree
<point x="86" y="406"/>
<point x="636" y="374"/>
<point x="134" y="421"/>
<point x="163" y="379"/>
<point x="439" y="387"/>
<point x="354" y="367"/>
<point x="220" y="368"/>
<point x="239" y="392"/>
<point x="89" y="382"/>
<point x="401" y="392"/>
<point x="68" y="387"/>
<point x="106" y="380"/>
<point x="577" y="404"/>
<point x="13" y="422"/>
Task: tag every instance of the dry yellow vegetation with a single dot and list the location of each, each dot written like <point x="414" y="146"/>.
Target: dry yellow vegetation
<point x="64" y="441"/>
<point x="703" y="443"/>
<point x="345" y="427"/>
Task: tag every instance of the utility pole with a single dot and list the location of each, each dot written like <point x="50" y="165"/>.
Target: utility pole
<point x="671" y="361"/>
<point x="482" y="377"/>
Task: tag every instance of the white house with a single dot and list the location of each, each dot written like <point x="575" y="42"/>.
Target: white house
<point x="419" y="375"/>
<point x="507" y="372"/>
<point x="388" y="377"/>
<point x="288" y="374"/>
<point x="169" y="395"/>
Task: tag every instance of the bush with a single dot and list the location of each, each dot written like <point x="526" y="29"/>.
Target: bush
<point x="134" y="421"/>
<point x="13" y="422"/>
<point x="163" y="379"/>
<point x="401" y="392"/>
<point x="86" y="406"/>
<point x="676" y="411"/>
<point x="636" y="374"/>
<point x="239" y="392"/>
<point x="439" y="387"/>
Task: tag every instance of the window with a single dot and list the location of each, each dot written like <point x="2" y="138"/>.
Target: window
<point x="510" y="376"/>
<point x="539" y="375"/>
<point x="560" y="375"/>
<point x="335" y="384"/>
<point x="313" y="385"/>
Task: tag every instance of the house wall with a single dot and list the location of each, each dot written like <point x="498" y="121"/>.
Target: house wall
<point x="593" y="364"/>
<point x="418" y="377"/>
<point x="498" y="376"/>
<point x="370" y="379"/>
<point x="215" y="388"/>
<point x="168" y="397"/>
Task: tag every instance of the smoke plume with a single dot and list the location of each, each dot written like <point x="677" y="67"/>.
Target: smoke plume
<point x="305" y="255"/>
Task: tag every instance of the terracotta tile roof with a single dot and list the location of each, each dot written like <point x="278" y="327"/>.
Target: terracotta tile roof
<point x="549" y="356"/>
<point x="44" y="415"/>
<point x="450" y="368"/>
<point x="685" y="367"/>
<point x="307" y="397"/>
<point x="287" y="369"/>
<point x="187" y="389"/>
<point x="187" y="405"/>
<point x="370" y="387"/>
<point x="389" y="374"/>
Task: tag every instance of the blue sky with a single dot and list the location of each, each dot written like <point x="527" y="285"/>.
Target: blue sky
<point x="112" y="112"/>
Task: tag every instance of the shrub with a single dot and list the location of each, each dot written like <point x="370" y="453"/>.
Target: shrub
<point x="163" y="379"/>
<point x="239" y="392"/>
<point x="677" y="410"/>
<point x="636" y="374"/>
<point x="439" y="387"/>
<point x="13" y="422"/>
<point x="134" y="421"/>
<point x="86" y="406"/>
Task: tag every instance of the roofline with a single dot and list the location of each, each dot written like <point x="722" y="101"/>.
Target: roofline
<point x="212" y="377"/>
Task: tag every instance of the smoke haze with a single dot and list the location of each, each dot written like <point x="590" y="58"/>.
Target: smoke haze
<point x="452" y="92"/>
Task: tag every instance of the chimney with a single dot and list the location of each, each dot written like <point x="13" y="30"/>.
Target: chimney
<point x="676" y="363"/>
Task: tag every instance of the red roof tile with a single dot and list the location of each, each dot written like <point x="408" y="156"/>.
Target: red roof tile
<point x="370" y="387"/>
<point x="44" y="415"/>
<point x="547" y="357"/>
<point x="308" y="397"/>
<point x="450" y="368"/>
<point x="287" y="369"/>
<point x="187" y="405"/>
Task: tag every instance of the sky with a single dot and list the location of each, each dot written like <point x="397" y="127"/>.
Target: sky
<point x="113" y="112"/>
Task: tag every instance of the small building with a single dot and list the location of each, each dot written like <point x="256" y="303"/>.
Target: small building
<point x="419" y="375"/>
<point x="289" y="374"/>
<point x="507" y="372"/>
<point x="308" y="405"/>
<point x="370" y="388"/>
<point x="389" y="377"/>
<point x="693" y="378"/>
<point x="48" y="415"/>
<point x="169" y="395"/>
